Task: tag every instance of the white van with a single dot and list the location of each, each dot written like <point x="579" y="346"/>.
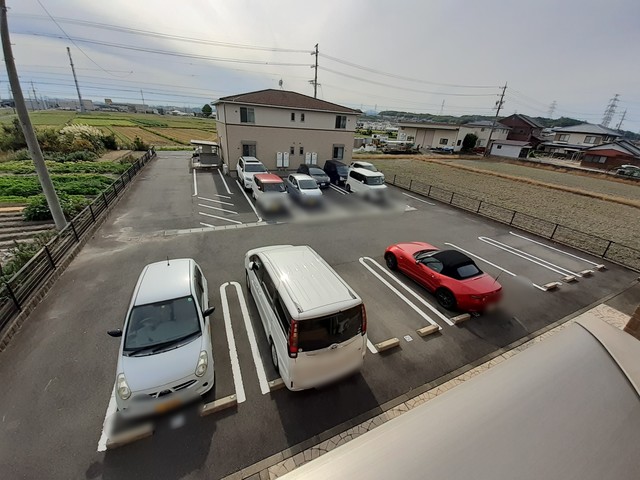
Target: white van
<point x="316" y="325"/>
<point x="366" y="183"/>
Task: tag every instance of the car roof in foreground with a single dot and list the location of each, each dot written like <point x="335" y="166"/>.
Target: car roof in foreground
<point x="301" y="176"/>
<point x="268" y="177"/>
<point x="568" y="407"/>
<point x="366" y="172"/>
<point x="452" y="258"/>
<point x="310" y="279"/>
<point x="251" y="159"/>
<point x="164" y="280"/>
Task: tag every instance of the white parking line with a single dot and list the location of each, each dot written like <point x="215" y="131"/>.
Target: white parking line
<point x="233" y="353"/>
<point x="527" y="256"/>
<point x="338" y="189"/>
<point x="262" y="375"/>
<point x="418" y="297"/>
<point x="418" y="199"/>
<point x="225" y="182"/>
<point x="108" y="422"/>
<point x="207" y="225"/>
<point x="249" y="201"/>
<point x="195" y="184"/>
<point x="217" y="208"/>
<point x="483" y="259"/>
<point x="553" y="248"/>
<point x="219" y="218"/>
<point x="215" y="195"/>
<point x="371" y="347"/>
<point x="215" y="201"/>
<point x="399" y="294"/>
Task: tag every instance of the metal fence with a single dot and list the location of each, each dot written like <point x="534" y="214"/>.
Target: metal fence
<point x="598" y="246"/>
<point x="26" y="283"/>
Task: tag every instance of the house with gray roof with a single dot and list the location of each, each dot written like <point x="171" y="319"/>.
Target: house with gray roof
<point x="574" y="139"/>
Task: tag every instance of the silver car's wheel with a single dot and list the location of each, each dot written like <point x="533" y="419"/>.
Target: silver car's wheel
<point x="274" y="356"/>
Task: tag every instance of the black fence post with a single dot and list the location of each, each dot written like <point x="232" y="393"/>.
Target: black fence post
<point x="429" y="191"/>
<point x="554" y="231"/>
<point x="607" y="249"/>
<point x="410" y="183"/>
<point x="115" y="189"/>
<point x="53" y="264"/>
<point x="129" y="173"/>
<point x="13" y="297"/>
<point x="74" y="231"/>
<point x="104" y="197"/>
<point x="512" y="217"/>
<point x="93" y="216"/>
<point x="479" y="205"/>
<point x="451" y="199"/>
<point x="394" y="179"/>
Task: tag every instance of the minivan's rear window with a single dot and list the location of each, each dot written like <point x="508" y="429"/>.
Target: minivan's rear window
<point x="318" y="333"/>
<point x="378" y="180"/>
<point x="274" y="187"/>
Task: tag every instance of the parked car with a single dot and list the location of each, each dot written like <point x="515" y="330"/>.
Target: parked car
<point x="361" y="164"/>
<point x="317" y="173"/>
<point x="366" y="183"/>
<point x="452" y="276"/>
<point x="165" y="357"/>
<point x="303" y="189"/>
<point x="246" y="168"/>
<point x="337" y="171"/>
<point x="269" y="191"/>
<point x="316" y="325"/>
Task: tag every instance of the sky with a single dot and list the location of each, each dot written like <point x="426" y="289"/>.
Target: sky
<point x="374" y="54"/>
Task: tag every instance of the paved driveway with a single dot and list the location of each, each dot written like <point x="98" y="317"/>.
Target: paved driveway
<point x="58" y="372"/>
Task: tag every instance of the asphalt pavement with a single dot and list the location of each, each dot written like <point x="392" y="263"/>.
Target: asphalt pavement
<point x="58" y="372"/>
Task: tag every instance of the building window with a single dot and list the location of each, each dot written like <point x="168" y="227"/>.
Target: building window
<point x="338" y="152"/>
<point x="499" y="147"/>
<point x="410" y="139"/>
<point x="563" y="137"/>
<point x="590" y="139"/>
<point x="249" y="149"/>
<point x="293" y="116"/>
<point x="247" y="115"/>
<point x="602" y="159"/>
<point x="301" y="150"/>
<point x="341" y="121"/>
<point x="444" y="141"/>
<point x="302" y="117"/>
<point x="292" y="150"/>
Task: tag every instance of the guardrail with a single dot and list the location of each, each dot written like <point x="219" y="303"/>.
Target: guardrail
<point x="22" y="287"/>
<point x="598" y="246"/>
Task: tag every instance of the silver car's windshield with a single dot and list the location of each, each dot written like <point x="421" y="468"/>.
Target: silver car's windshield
<point x="307" y="184"/>
<point x="161" y="323"/>
<point x="317" y="171"/>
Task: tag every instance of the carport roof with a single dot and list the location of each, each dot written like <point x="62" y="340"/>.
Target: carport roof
<point x="286" y="99"/>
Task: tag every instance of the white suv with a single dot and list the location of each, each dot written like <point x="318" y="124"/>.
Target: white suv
<point x="316" y="325"/>
<point x="165" y="356"/>
<point x="246" y="168"/>
<point x="366" y="183"/>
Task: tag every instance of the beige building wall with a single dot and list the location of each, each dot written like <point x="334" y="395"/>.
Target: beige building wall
<point x="482" y="134"/>
<point x="578" y="138"/>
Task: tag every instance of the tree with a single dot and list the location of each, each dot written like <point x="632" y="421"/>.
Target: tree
<point x="207" y="110"/>
<point x="469" y="142"/>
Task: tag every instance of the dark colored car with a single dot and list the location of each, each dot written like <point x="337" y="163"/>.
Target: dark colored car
<point x="453" y="277"/>
<point x="317" y="173"/>
<point x="337" y="171"/>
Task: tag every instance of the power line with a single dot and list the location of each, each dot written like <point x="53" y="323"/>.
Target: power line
<point x="74" y="43"/>
<point x="401" y="77"/>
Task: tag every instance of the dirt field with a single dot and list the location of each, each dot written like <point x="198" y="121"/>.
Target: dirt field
<point x="619" y="223"/>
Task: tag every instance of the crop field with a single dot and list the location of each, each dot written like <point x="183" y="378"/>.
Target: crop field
<point x="591" y="215"/>
<point x="185" y="135"/>
<point x="130" y="133"/>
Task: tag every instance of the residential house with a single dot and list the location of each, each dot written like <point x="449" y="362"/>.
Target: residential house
<point x="570" y="140"/>
<point x="611" y="155"/>
<point x="284" y="129"/>
<point x="510" y="148"/>
<point x="523" y="129"/>
<point x="481" y="129"/>
<point x="426" y="136"/>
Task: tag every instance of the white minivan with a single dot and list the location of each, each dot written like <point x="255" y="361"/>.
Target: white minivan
<point x="316" y="325"/>
<point x="366" y="183"/>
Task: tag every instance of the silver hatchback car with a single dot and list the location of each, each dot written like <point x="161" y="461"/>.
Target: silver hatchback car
<point x="165" y="356"/>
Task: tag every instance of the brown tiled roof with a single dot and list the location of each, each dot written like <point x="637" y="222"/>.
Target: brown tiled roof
<point x="284" y="98"/>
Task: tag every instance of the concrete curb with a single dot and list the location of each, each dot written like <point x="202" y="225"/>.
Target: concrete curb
<point x="461" y="318"/>
<point x="428" y="330"/>
<point x="387" y="344"/>
<point x="130" y="436"/>
<point x="217" y="405"/>
<point x="12" y="327"/>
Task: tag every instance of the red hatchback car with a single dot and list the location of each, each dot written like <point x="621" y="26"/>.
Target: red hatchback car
<point x="452" y="276"/>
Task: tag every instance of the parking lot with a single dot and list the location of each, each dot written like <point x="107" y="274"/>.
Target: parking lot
<point x="58" y="372"/>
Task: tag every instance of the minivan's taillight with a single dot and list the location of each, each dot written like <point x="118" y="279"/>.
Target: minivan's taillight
<point x="293" y="339"/>
<point x="364" y="319"/>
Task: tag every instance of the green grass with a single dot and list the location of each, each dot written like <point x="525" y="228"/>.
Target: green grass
<point x="73" y="184"/>
<point x="11" y="199"/>
<point x="27" y="167"/>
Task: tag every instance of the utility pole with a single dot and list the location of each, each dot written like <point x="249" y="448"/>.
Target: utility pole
<point x="624" y="114"/>
<point x="442" y="107"/>
<point x="35" y="98"/>
<point x="25" y="123"/>
<point x="552" y="108"/>
<point x="499" y="105"/>
<point x="610" y="110"/>
<point x="75" y="79"/>
<point x="315" y="75"/>
<point x="142" y="95"/>
<point x="11" y="98"/>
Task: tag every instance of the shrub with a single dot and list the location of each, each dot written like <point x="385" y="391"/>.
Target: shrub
<point x="49" y="140"/>
<point x="12" y="137"/>
<point x="78" y="184"/>
<point x="469" y="142"/>
<point x="80" y="156"/>
<point x="82" y="137"/>
<point x="38" y="209"/>
<point x="22" y="154"/>
<point x="138" y="144"/>
<point x="110" y="142"/>
<point x="22" y="252"/>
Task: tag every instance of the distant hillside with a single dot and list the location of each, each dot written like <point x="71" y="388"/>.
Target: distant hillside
<point x="428" y="117"/>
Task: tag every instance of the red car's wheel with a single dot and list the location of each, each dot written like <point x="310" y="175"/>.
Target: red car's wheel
<point x="391" y="261"/>
<point x="446" y="298"/>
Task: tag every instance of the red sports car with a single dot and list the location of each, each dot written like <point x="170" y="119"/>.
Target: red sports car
<point x="455" y="279"/>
